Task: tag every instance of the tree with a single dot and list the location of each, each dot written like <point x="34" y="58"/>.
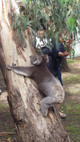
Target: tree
<point x="58" y="16"/>
<point x="23" y="95"/>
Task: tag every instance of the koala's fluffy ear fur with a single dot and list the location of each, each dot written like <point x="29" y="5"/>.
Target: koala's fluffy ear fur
<point x="36" y="60"/>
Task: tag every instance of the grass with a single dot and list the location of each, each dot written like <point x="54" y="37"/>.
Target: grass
<point x="71" y="79"/>
<point x="69" y="61"/>
<point x="71" y="105"/>
<point x="3" y="106"/>
<point x="5" y="117"/>
<point x="72" y="129"/>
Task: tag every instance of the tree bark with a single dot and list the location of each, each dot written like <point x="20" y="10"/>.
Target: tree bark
<point x="24" y="97"/>
<point x="64" y="66"/>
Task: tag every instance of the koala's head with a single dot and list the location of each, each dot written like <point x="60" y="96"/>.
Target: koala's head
<point x="36" y="59"/>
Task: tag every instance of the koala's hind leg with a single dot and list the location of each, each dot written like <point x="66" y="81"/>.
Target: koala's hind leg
<point x="45" y="104"/>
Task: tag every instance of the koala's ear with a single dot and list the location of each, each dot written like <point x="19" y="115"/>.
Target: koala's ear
<point x="35" y="60"/>
<point x="46" y="58"/>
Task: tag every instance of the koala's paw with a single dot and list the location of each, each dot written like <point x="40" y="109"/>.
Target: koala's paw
<point x="9" y="67"/>
<point x="43" y="109"/>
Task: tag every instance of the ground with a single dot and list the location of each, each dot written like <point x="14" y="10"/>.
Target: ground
<point x="6" y="122"/>
<point x="71" y="106"/>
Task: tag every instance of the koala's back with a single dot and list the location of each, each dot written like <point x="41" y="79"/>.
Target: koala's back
<point x="48" y="84"/>
<point x="41" y="74"/>
<point x="53" y="89"/>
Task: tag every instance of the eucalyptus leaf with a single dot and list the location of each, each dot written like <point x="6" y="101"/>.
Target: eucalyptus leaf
<point x="56" y="15"/>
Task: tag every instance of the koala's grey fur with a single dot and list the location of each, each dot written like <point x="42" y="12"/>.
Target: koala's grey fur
<point x="47" y="83"/>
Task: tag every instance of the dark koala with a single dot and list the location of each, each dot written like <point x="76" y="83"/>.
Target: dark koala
<point x="47" y="83"/>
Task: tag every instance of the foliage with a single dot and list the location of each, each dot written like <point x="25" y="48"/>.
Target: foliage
<point x="58" y="16"/>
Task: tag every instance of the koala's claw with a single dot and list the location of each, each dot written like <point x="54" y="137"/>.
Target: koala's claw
<point x="43" y="109"/>
<point x="9" y="67"/>
<point x="44" y="112"/>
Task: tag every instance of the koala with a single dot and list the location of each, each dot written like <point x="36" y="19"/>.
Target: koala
<point x="47" y="83"/>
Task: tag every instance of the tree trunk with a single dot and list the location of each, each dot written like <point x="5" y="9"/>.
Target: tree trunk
<point x="24" y="96"/>
<point x="64" y="66"/>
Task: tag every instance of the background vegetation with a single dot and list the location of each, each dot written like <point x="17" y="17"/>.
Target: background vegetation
<point x="58" y="16"/>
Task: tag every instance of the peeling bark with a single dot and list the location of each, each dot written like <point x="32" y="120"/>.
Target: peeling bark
<point x="23" y="95"/>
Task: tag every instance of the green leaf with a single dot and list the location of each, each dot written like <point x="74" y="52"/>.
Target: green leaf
<point x="46" y="17"/>
<point x="57" y="16"/>
<point x="70" y="22"/>
<point x="24" y="1"/>
<point x="69" y="12"/>
<point x="19" y="31"/>
<point x="12" y="26"/>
